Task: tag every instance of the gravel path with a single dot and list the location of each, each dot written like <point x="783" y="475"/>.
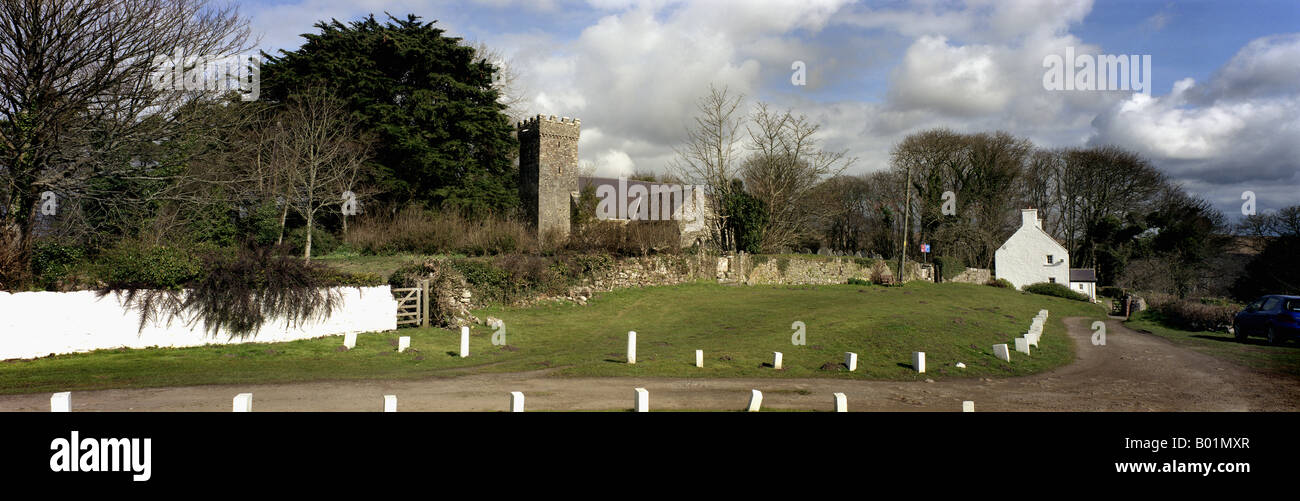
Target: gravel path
<point x="1133" y="372"/>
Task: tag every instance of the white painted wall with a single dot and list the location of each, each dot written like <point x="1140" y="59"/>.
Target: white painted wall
<point x="1022" y="259"/>
<point x="1086" y="288"/>
<point x="36" y="324"/>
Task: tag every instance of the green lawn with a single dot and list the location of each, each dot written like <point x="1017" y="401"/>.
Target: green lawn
<point x="1255" y="352"/>
<point x="737" y="327"/>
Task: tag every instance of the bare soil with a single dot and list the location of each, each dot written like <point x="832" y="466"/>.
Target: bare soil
<point x="1132" y="372"/>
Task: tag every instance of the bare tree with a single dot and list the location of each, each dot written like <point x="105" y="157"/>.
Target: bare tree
<point x="510" y="88"/>
<point x="785" y="167"/>
<point x="316" y="146"/>
<point x="76" y="100"/>
<point x="711" y="155"/>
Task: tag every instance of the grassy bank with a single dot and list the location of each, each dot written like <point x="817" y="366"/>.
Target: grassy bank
<point x="1255" y="352"/>
<point x="737" y="327"/>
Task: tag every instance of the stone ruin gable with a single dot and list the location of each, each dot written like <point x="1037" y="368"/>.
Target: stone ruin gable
<point x="548" y="171"/>
<point x="672" y="201"/>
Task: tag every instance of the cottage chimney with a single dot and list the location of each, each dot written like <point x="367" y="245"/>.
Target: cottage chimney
<point x="1029" y="217"/>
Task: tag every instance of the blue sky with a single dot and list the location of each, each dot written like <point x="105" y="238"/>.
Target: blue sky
<point x="878" y="71"/>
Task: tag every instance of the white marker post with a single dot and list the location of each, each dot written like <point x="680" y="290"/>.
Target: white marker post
<point x="699" y="358"/>
<point x="403" y="343"/>
<point x="516" y="401"/>
<point x="968" y="406"/>
<point x="1000" y="351"/>
<point x="631" y="347"/>
<point x="918" y="361"/>
<point x="755" y="400"/>
<point x="243" y="402"/>
<point x="851" y="361"/>
<point x="1022" y="345"/>
<point x="464" y="341"/>
<point x="390" y="403"/>
<point x="642" y="400"/>
<point x="350" y="340"/>
<point x="61" y="402"/>
<point x="776" y="360"/>
<point x="841" y="403"/>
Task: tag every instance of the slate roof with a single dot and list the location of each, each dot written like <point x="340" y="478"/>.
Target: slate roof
<point x="1083" y="275"/>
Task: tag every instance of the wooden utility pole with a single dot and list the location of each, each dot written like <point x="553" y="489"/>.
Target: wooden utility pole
<point x="907" y="218"/>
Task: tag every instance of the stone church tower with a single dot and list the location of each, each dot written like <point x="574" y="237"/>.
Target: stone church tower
<point x="548" y="171"/>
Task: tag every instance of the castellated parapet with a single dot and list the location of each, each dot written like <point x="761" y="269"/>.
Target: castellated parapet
<point x="548" y="171"/>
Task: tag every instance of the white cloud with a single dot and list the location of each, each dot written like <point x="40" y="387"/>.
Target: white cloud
<point x="1236" y="132"/>
<point x="634" y="73"/>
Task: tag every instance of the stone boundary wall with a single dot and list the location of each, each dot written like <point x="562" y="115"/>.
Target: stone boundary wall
<point x="646" y="272"/>
<point x="799" y="270"/>
<point x="972" y="276"/>
<point x="36" y="324"/>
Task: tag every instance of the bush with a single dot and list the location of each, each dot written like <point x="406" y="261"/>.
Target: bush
<point x="1192" y="315"/>
<point x="1055" y="290"/>
<point x="1000" y="283"/>
<point x="322" y="241"/>
<point x="782" y="264"/>
<point x="636" y="238"/>
<point x="858" y="281"/>
<point x="418" y="231"/>
<point x="52" y="262"/>
<point x="238" y="292"/>
<point x="14" y="269"/>
<point x="949" y="266"/>
<point x="133" y="265"/>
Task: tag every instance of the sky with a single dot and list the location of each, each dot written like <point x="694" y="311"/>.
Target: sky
<point x="1221" y="116"/>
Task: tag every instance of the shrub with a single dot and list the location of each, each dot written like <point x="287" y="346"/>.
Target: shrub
<point x="52" y="262"/>
<point x="782" y="264"/>
<point x="858" y="281"/>
<point x="1000" y="283"/>
<point x="322" y="241"/>
<point x="418" y="231"/>
<point x="1194" y="315"/>
<point x="134" y="265"/>
<point x="331" y="277"/>
<point x="949" y="266"/>
<point x="237" y="294"/>
<point x="619" y="238"/>
<point x="1056" y="290"/>
<point x="13" y="268"/>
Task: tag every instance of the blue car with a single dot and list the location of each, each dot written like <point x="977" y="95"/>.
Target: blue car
<point x="1275" y="317"/>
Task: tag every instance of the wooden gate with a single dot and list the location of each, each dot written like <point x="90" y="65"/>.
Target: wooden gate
<point x="413" y="305"/>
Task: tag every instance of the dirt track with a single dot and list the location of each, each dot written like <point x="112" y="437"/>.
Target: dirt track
<point x="1133" y="372"/>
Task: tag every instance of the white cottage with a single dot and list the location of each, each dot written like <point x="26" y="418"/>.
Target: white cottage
<point x="1032" y="256"/>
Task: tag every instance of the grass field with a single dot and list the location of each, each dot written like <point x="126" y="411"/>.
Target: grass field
<point x="737" y="327"/>
<point x="1255" y="352"/>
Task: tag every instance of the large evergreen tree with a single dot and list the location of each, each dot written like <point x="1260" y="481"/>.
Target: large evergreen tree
<point x="442" y="136"/>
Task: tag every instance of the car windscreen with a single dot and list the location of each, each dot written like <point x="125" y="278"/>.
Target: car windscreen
<point x="1293" y="305"/>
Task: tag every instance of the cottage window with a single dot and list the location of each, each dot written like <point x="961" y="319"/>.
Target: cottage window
<point x="1049" y="259"/>
<point x="1051" y="280"/>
